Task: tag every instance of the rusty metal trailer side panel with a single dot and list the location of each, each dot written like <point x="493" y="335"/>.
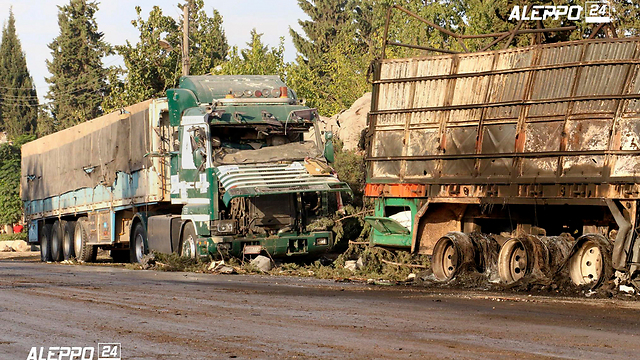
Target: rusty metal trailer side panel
<point x="549" y="114"/>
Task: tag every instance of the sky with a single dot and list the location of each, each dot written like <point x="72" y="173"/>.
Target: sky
<point x="37" y="25"/>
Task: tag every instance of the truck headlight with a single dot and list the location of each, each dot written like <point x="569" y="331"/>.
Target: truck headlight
<point x="223" y="226"/>
<point x="322" y="241"/>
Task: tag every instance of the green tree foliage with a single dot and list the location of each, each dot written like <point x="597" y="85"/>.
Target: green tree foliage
<point x="208" y="45"/>
<point x="626" y="14"/>
<point x="18" y="98"/>
<point x="330" y="19"/>
<point x="256" y="59"/>
<point x="150" y="68"/>
<point x="336" y="82"/>
<point x="350" y="167"/>
<point x="78" y="80"/>
<point x="329" y="56"/>
<point x="11" y="209"/>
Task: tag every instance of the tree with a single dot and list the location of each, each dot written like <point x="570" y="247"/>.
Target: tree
<point x="626" y="14"/>
<point x="151" y="68"/>
<point x="208" y="46"/>
<point x="19" y="101"/>
<point x="256" y="59"/>
<point x="332" y="55"/>
<point x="11" y="209"/>
<point x="78" y="78"/>
<point x="329" y="19"/>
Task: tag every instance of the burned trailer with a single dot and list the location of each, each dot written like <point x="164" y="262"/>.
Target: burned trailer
<point x="539" y="143"/>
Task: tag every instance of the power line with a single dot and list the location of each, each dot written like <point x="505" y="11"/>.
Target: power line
<point x="44" y="104"/>
<point x="40" y="87"/>
<point x="86" y="86"/>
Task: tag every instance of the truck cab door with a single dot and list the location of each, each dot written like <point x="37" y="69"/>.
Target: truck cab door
<point x="192" y="161"/>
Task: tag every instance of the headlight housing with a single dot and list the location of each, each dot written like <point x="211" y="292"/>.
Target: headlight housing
<point x="222" y="227"/>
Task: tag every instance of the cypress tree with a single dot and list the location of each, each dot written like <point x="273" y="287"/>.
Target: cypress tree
<point x="19" y="102"/>
<point x="329" y="18"/>
<point x="77" y="82"/>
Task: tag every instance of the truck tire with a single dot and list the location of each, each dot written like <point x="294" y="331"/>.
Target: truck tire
<point x="84" y="252"/>
<point x="188" y="242"/>
<point x="138" y="246"/>
<point x="44" y="237"/>
<point x="57" y="234"/>
<point x="68" y="250"/>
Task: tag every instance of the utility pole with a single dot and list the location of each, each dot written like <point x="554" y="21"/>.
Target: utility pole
<point x="185" y="39"/>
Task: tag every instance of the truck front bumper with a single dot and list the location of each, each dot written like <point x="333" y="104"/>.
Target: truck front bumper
<point x="283" y="245"/>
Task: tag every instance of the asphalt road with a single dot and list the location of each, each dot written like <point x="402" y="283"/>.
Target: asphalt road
<point x="159" y="315"/>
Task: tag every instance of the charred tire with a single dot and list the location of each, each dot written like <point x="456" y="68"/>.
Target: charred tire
<point x="57" y="237"/>
<point x="45" y="242"/>
<point x="589" y="260"/>
<point x="451" y="254"/>
<point x="138" y="246"/>
<point x="531" y="254"/>
<point x="68" y="250"/>
<point x="83" y="252"/>
<point x="188" y="247"/>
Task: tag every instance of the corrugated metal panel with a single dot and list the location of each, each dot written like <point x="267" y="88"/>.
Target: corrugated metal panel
<point x="551" y="113"/>
<point x="254" y="180"/>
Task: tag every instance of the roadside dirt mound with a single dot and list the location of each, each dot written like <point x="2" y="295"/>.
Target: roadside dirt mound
<point x="348" y="124"/>
<point x="351" y="122"/>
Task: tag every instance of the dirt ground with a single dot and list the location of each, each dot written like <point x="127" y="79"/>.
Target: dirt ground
<point x="161" y="315"/>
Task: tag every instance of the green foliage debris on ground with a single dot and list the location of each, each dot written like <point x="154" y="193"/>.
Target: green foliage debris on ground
<point x="374" y="264"/>
<point x="13" y="237"/>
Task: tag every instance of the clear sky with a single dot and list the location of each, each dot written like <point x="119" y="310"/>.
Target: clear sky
<point x="37" y="25"/>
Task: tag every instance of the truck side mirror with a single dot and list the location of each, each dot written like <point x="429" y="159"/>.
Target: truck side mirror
<point x="199" y="149"/>
<point x="329" y="154"/>
<point x="200" y="158"/>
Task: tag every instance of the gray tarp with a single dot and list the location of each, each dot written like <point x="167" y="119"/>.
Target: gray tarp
<point x="288" y="152"/>
<point x="62" y="162"/>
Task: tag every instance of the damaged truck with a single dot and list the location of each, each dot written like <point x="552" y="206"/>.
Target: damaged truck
<point x="512" y="162"/>
<point x="219" y="166"/>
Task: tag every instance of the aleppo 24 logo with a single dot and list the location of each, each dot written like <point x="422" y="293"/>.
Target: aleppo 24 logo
<point x="596" y="11"/>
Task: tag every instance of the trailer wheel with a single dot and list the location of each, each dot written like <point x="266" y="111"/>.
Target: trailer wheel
<point x="57" y="235"/>
<point x="67" y="241"/>
<point x="588" y="264"/>
<point x="513" y="261"/>
<point x="45" y="242"/>
<point x="138" y="247"/>
<point x="188" y="241"/>
<point x="84" y="252"/>
<point x="451" y="254"/>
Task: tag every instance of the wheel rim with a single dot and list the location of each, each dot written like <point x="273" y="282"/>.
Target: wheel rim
<point x="586" y="264"/>
<point x="139" y="247"/>
<point x="513" y="261"/>
<point x="189" y="247"/>
<point x="77" y="241"/>
<point x="518" y="262"/>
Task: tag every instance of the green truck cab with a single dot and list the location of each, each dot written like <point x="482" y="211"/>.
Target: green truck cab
<point x="240" y="173"/>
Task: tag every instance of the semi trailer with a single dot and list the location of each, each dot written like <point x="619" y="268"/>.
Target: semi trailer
<point x="531" y="154"/>
<point x="218" y="167"/>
